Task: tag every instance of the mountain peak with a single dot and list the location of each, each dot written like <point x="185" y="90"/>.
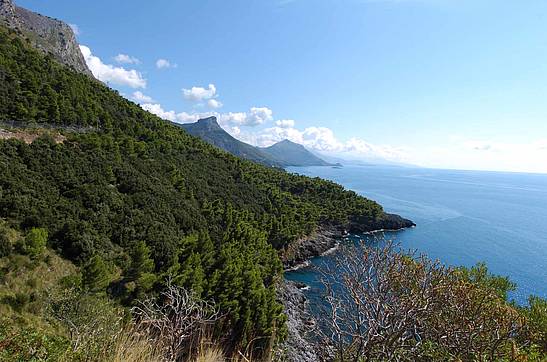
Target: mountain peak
<point x="210" y="123"/>
<point x="7" y="10"/>
<point x="288" y="143"/>
<point x="210" y="131"/>
<point x="294" y="154"/>
<point x="48" y="35"/>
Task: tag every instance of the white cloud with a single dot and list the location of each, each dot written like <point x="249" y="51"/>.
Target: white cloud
<point x="320" y="139"/>
<point x="256" y="116"/>
<point x="259" y="115"/>
<point x="213" y="103"/>
<point x="172" y="116"/>
<point x="323" y="139"/>
<point x="110" y="74"/>
<point x="285" y="123"/>
<point x="199" y="94"/>
<point x="235" y="131"/>
<point x="164" y="64"/>
<point x="75" y="29"/>
<point x="157" y="109"/>
<point x="231" y="121"/>
<point x="126" y="59"/>
<point x="141" y="97"/>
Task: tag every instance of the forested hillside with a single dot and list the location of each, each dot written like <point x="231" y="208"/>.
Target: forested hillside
<point x="138" y="199"/>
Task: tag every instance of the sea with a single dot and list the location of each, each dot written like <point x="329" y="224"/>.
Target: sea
<point x="462" y="218"/>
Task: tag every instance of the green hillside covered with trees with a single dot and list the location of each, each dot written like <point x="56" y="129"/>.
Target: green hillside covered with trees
<point x="123" y="238"/>
<point x="135" y="199"/>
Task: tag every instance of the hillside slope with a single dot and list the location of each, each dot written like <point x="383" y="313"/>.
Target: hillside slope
<point x="293" y="154"/>
<point x="210" y="131"/>
<point x="138" y="199"/>
<point x="281" y="154"/>
<point x="49" y="35"/>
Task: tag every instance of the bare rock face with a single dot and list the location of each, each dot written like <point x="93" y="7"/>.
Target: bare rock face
<point x="301" y="344"/>
<point x="49" y="35"/>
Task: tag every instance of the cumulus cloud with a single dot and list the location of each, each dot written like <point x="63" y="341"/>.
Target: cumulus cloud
<point x="172" y="116"/>
<point x="256" y="116"/>
<point x="199" y="94"/>
<point x="110" y="74"/>
<point x="285" y="123"/>
<point x="259" y="115"/>
<point x="231" y="118"/>
<point x="231" y="121"/>
<point x="323" y="139"/>
<point x="126" y="59"/>
<point x="141" y="97"/>
<point x="213" y="103"/>
<point x="164" y="64"/>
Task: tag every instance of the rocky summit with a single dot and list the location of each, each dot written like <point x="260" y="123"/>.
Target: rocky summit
<point x="49" y="35"/>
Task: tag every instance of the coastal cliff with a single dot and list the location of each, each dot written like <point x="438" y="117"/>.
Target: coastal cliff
<point x="326" y="237"/>
<point x="51" y="36"/>
<point x="301" y="326"/>
<point x="301" y="344"/>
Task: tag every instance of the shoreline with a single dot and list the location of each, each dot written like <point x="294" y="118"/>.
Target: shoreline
<point x="300" y="345"/>
<point x="327" y="240"/>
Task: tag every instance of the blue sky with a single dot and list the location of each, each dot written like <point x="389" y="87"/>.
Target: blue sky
<point x="439" y="83"/>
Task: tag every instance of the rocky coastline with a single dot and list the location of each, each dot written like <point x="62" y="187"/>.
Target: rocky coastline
<point x="301" y="326"/>
<point x="327" y="237"/>
<point x="301" y="344"/>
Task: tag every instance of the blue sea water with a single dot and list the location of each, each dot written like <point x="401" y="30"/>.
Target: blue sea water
<point x="462" y="217"/>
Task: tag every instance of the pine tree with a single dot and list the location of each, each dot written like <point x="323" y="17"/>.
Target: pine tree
<point x="141" y="262"/>
<point x="95" y="275"/>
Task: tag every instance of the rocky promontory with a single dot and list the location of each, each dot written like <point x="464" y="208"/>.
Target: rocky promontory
<point x="327" y="237"/>
<point x="46" y="34"/>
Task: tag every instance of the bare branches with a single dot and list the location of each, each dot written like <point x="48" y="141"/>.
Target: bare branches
<point x="386" y="305"/>
<point x="176" y="319"/>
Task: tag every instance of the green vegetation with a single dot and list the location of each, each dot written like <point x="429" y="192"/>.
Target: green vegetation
<point x="385" y="305"/>
<point x="138" y="199"/>
<point x="93" y="225"/>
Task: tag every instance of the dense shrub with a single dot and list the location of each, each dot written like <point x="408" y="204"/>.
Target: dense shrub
<point x="384" y="305"/>
<point x="34" y="243"/>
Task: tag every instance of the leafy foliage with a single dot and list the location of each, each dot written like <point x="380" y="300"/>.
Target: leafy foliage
<point x="387" y="305"/>
<point x="34" y="243"/>
<point x="132" y="199"/>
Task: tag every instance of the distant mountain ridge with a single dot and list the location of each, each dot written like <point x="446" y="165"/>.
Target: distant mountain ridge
<point x="294" y="154"/>
<point x="51" y="36"/>
<point x="210" y="131"/>
<point x="281" y="154"/>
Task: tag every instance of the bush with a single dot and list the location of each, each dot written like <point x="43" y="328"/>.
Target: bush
<point x="92" y="321"/>
<point x="34" y="243"/>
<point x="536" y="314"/>
<point x="30" y="344"/>
<point x="8" y="237"/>
<point x="18" y="301"/>
<point x="6" y="248"/>
<point x="386" y="305"/>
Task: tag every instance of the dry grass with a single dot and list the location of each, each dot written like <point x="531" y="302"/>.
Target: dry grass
<point x="31" y="278"/>
<point x="29" y="136"/>
<point x="133" y="347"/>
<point x="211" y="354"/>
